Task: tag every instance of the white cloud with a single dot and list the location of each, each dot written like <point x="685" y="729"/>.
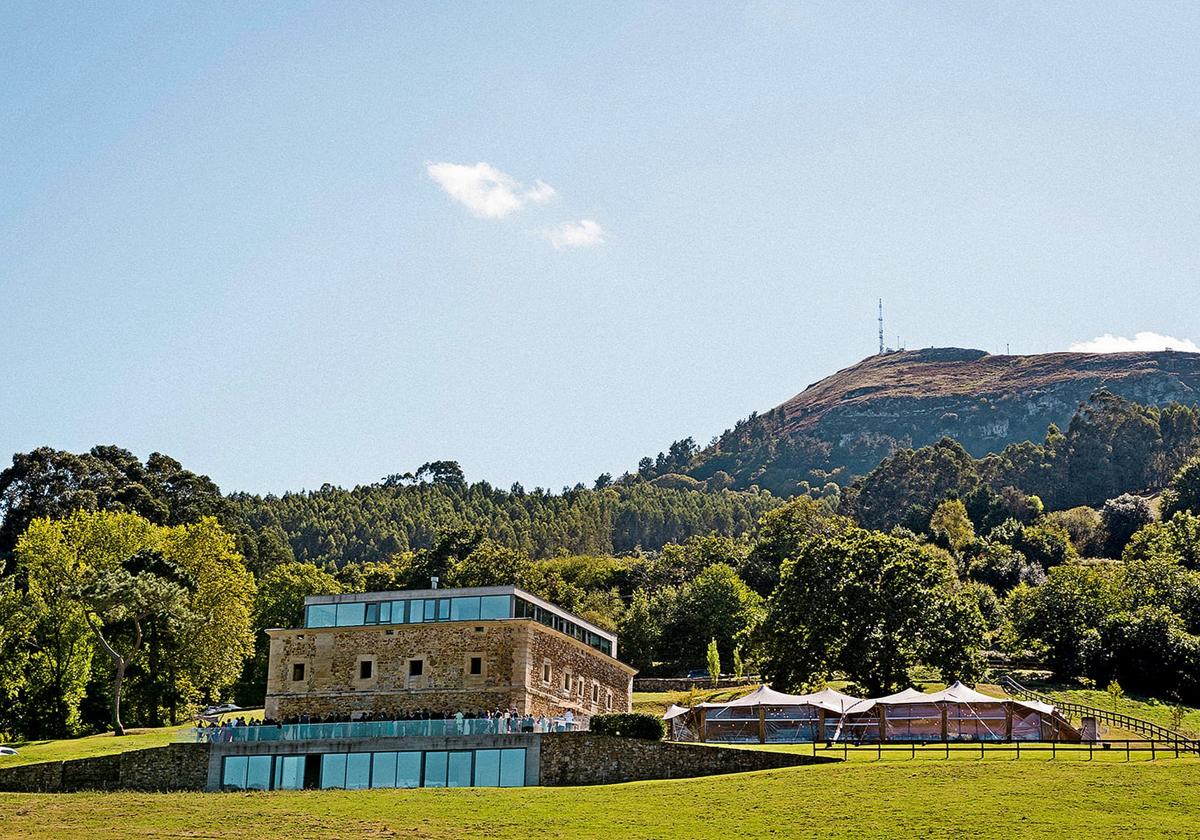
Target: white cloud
<point x="485" y="190"/>
<point x="585" y="233"/>
<point x="1109" y="343"/>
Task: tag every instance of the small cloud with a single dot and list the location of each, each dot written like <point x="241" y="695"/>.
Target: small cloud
<point x="486" y="191"/>
<point x="1143" y="341"/>
<point x="586" y="233"/>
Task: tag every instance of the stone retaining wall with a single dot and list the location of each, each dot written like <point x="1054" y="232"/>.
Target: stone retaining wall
<point x="579" y="758"/>
<point x="172" y="767"/>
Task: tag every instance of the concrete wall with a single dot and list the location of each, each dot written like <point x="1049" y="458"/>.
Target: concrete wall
<point x="514" y="653"/>
<point x="173" y="767"/>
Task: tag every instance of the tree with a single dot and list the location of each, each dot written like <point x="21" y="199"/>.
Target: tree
<point x="1123" y="517"/>
<point x="780" y="533"/>
<point x="713" y="657"/>
<point x="951" y="525"/>
<point x="128" y="581"/>
<point x="1115" y="693"/>
<point x="739" y="667"/>
<point x="1084" y="526"/>
<point x="717" y="604"/>
<point x="640" y="629"/>
<point x="872" y="606"/>
<point x="118" y="603"/>
<point x="1177" y="538"/>
<point x="1183" y="493"/>
<point x="906" y="487"/>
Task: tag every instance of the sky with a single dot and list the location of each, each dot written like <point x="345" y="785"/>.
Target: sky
<point x="292" y="244"/>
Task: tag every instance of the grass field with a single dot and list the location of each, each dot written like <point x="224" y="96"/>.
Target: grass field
<point x="864" y="798"/>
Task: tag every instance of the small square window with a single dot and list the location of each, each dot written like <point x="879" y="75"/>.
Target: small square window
<point x="297" y="671"/>
<point x="416" y="667"/>
<point x="476" y="666"/>
<point x="366" y="669"/>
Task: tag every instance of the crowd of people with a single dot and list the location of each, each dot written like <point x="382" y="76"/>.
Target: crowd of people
<point x="418" y="722"/>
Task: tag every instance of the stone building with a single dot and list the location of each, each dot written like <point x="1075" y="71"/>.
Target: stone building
<point x="445" y="650"/>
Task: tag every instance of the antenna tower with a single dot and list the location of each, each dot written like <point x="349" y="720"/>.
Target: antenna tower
<point x="881" y="326"/>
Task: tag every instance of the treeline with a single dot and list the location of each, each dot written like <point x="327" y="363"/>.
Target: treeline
<point x="372" y="522"/>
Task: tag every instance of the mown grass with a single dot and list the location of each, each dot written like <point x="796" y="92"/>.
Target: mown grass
<point x="31" y="752"/>
<point x="863" y="799"/>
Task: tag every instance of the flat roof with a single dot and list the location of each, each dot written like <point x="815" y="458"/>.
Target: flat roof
<point x="463" y="592"/>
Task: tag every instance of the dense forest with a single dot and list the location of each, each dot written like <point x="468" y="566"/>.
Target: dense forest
<point x="139" y="588"/>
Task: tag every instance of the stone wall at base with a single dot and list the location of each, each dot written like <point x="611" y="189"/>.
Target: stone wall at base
<point x="172" y="767"/>
<point x="579" y="758"/>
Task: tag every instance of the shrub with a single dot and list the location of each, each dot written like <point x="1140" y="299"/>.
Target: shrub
<point x="634" y="725"/>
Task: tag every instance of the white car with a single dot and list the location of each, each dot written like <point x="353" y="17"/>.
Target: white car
<point x="7" y="751"/>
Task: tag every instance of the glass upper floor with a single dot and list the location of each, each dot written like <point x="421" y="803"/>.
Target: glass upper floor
<point x="434" y="605"/>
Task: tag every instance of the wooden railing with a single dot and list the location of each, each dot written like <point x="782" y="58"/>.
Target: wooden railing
<point x="1151" y="730"/>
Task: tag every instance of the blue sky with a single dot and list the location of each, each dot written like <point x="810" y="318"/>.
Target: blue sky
<point x="221" y="236"/>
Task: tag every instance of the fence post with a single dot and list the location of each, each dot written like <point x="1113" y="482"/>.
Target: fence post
<point x="1152" y="756"/>
<point x="1091" y="747"/>
<point x="1053" y="749"/>
<point x="1127" y="749"/>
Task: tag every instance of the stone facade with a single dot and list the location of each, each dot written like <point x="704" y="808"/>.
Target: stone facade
<point x="522" y="665"/>
<point x="173" y="767"/>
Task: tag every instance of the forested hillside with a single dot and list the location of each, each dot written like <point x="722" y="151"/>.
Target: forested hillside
<point x="374" y="521"/>
<point x="844" y="425"/>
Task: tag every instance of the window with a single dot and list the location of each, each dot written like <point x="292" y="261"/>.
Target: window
<point x="416" y="612"/>
<point x="321" y="615"/>
<point x="297" y="671"/>
<point x="580" y="686"/>
<point x="464" y="609"/>
<point x="416" y="667"/>
<point x="608" y="700"/>
<point x="546" y="672"/>
<point x="333" y="770"/>
<point x="366" y="669"/>
<point x="495" y="606"/>
<point x="379" y="612"/>
<point x="350" y="615"/>
<point x="289" y="772"/>
<point x="595" y="693"/>
<point x="567" y="682"/>
<point x="476" y="666"/>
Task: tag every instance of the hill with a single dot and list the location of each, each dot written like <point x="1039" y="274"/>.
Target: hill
<point x="847" y="423"/>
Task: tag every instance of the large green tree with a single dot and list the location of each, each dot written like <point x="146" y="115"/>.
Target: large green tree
<point x="872" y="606"/>
<point x="716" y="604"/>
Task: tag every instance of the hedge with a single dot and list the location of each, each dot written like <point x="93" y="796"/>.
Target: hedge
<point x="635" y="725"/>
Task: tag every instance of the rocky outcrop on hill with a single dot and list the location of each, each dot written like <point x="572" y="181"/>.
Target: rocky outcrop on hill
<point x="845" y="424"/>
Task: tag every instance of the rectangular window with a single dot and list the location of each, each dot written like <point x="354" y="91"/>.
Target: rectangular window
<point x="321" y="615"/>
<point x="435" y="769"/>
<point x="464" y="609"/>
<point x="297" y="671"/>
<point x="495" y="606"/>
<point x="443" y="609"/>
<point x="408" y="769"/>
<point x="567" y="683"/>
<point x="416" y="611"/>
<point x="350" y="615"/>
<point x="358" y="770"/>
<point x="580" y="686"/>
<point x="372" y="616"/>
<point x="546" y="672"/>
<point x="608" y="700"/>
<point x="333" y="770"/>
<point x="416" y="667"/>
<point x="595" y="693"/>
<point x="258" y="772"/>
<point x="383" y="770"/>
<point x="476" y="666"/>
<point x="458" y="770"/>
<point x="512" y="768"/>
<point x="366" y="669"/>
<point x="487" y="768"/>
<point x="289" y="772"/>
<point x="233" y="774"/>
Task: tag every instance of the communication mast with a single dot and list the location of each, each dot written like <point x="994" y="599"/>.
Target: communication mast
<point x="881" y="326"/>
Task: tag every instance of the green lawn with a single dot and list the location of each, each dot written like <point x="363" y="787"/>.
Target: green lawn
<point x="997" y="797"/>
<point x="31" y="752"/>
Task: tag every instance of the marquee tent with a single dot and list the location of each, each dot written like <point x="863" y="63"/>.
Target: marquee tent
<point x="957" y="713"/>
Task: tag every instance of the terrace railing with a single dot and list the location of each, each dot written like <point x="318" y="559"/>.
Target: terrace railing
<point x="375" y="729"/>
<point x="1078" y="711"/>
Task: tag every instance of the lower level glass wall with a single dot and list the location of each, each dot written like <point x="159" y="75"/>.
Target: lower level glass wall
<point x="358" y="770"/>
